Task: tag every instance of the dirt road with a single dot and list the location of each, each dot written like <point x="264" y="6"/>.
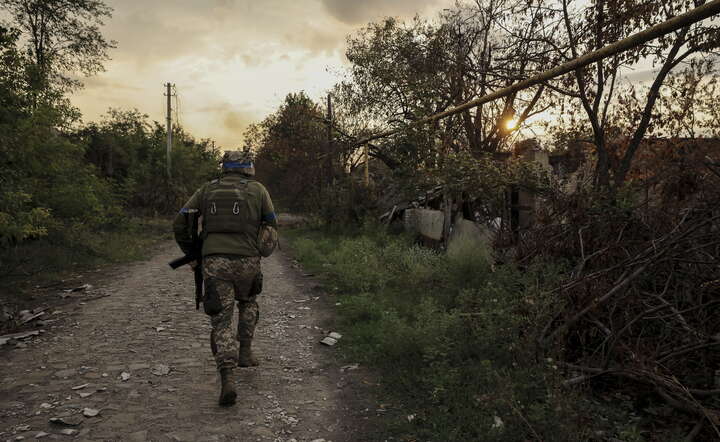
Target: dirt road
<point x="111" y="356"/>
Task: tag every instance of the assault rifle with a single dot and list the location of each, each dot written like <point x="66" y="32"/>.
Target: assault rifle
<point x="195" y="255"/>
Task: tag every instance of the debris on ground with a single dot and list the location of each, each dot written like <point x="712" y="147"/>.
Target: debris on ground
<point x="498" y="422"/>
<point x="349" y="367"/>
<point x="160" y="370"/>
<point x="90" y="412"/>
<point x="331" y="339"/>
<point x="100" y="372"/>
<point x="83" y="287"/>
<point x="328" y="341"/>
<point x="4" y="339"/>
<point x="66" y="421"/>
<point x="26" y="316"/>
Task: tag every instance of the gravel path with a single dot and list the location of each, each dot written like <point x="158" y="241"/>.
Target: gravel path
<point x="134" y="350"/>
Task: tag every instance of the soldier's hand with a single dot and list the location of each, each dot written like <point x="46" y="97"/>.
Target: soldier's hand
<point x="193" y="265"/>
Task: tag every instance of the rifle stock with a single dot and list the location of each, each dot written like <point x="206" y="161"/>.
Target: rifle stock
<point x="184" y="260"/>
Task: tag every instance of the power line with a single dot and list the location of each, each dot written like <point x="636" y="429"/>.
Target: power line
<point x="177" y="107"/>
<point x="168" y="152"/>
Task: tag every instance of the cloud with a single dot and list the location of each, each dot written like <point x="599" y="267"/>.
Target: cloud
<point x="228" y="120"/>
<point x="355" y="12"/>
<point x="233" y="60"/>
<point x="237" y="121"/>
<point x="98" y="82"/>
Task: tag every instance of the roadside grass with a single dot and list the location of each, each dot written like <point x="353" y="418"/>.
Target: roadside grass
<point x="77" y="248"/>
<point x="450" y="336"/>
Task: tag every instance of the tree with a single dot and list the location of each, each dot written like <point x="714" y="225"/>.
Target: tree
<point x="12" y="75"/>
<point x="62" y="38"/>
<point x="401" y="72"/>
<point x="292" y="152"/>
<point x="583" y="29"/>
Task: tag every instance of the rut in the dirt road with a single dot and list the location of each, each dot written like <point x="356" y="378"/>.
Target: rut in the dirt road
<point x="113" y="355"/>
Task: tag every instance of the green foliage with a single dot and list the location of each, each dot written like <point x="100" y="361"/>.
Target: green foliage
<point x="45" y="180"/>
<point x="23" y="224"/>
<point x="60" y="39"/>
<point x="77" y="247"/>
<point x="69" y="193"/>
<point x="130" y="152"/>
<point x="451" y="335"/>
<point x="293" y="153"/>
<point x="55" y="178"/>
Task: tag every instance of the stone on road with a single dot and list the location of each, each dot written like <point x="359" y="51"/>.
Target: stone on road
<point x="136" y="365"/>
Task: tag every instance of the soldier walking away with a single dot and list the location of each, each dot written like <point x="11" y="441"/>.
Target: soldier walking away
<point x="238" y="227"/>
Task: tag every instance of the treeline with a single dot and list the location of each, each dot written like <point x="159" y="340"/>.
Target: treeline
<point x="401" y="71"/>
<point x="60" y="177"/>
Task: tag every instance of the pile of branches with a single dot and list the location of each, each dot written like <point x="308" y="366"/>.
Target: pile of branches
<point x="642" y="301"/>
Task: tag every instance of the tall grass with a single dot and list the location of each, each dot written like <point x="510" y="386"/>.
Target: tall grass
<point x="78" y="247"/>
<point x="450" y="335"/>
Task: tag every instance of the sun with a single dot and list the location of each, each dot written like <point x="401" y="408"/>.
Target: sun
<point x="511" y="124"/>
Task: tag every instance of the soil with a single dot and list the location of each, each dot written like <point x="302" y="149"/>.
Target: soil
<point x="129" y="359"/>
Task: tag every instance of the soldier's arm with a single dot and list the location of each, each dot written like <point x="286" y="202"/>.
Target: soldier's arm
<point x="268" y="211"/>
<point x="181" y="224"/>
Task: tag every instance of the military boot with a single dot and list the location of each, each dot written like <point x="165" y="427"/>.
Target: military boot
<point x="245" y="355"/>
<point x="227" y="392"/>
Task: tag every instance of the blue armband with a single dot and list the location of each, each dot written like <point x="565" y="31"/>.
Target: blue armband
<point x="270" y="217"/>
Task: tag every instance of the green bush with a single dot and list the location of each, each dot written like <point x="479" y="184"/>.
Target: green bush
<point x="77" y="247"/>
<point x="451" y="336"/>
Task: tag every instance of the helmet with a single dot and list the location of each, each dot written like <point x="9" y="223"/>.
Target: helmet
<point x="267" y="240"/>
<point x="240" y="161"/>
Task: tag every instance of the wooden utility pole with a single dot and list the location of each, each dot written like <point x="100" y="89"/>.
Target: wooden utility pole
<point x="168" y="152"/>
<point x="330" y="121"/>
<point x="329" y="150"/>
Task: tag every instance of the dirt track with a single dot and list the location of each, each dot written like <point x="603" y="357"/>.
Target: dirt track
<point x="145" y="323"/>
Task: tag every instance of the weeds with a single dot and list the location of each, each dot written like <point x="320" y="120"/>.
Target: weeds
<point x="450" y="336"/>
<point x="77" y="247"/>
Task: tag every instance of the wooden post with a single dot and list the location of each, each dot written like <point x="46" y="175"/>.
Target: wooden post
<point x="168" y="151"/>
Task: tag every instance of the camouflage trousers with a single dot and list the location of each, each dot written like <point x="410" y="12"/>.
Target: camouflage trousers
<point x="230" y="278"/>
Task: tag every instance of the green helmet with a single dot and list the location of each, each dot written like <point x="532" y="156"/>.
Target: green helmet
<point x="267" y="240"/>
<point x="240" y="161"/>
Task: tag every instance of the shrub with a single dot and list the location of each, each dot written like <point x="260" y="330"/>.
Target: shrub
<point x="451" y="336"/>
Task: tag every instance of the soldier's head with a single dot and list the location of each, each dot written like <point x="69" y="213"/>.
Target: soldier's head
<point x="240" y="161"/>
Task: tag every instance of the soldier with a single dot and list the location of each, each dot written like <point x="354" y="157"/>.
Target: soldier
<point x="238" y="227"/>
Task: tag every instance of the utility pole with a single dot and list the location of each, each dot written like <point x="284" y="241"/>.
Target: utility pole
<point x="330" y="121"/>
<point x="329" y="151"/>
<point x="169" y="94"/>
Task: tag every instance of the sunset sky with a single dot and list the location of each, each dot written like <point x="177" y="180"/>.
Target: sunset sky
<point x="232" y="61"/>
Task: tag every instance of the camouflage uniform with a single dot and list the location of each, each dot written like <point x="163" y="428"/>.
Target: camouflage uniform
<point x="231" y="259"/>
<point x="231" y="279"/>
